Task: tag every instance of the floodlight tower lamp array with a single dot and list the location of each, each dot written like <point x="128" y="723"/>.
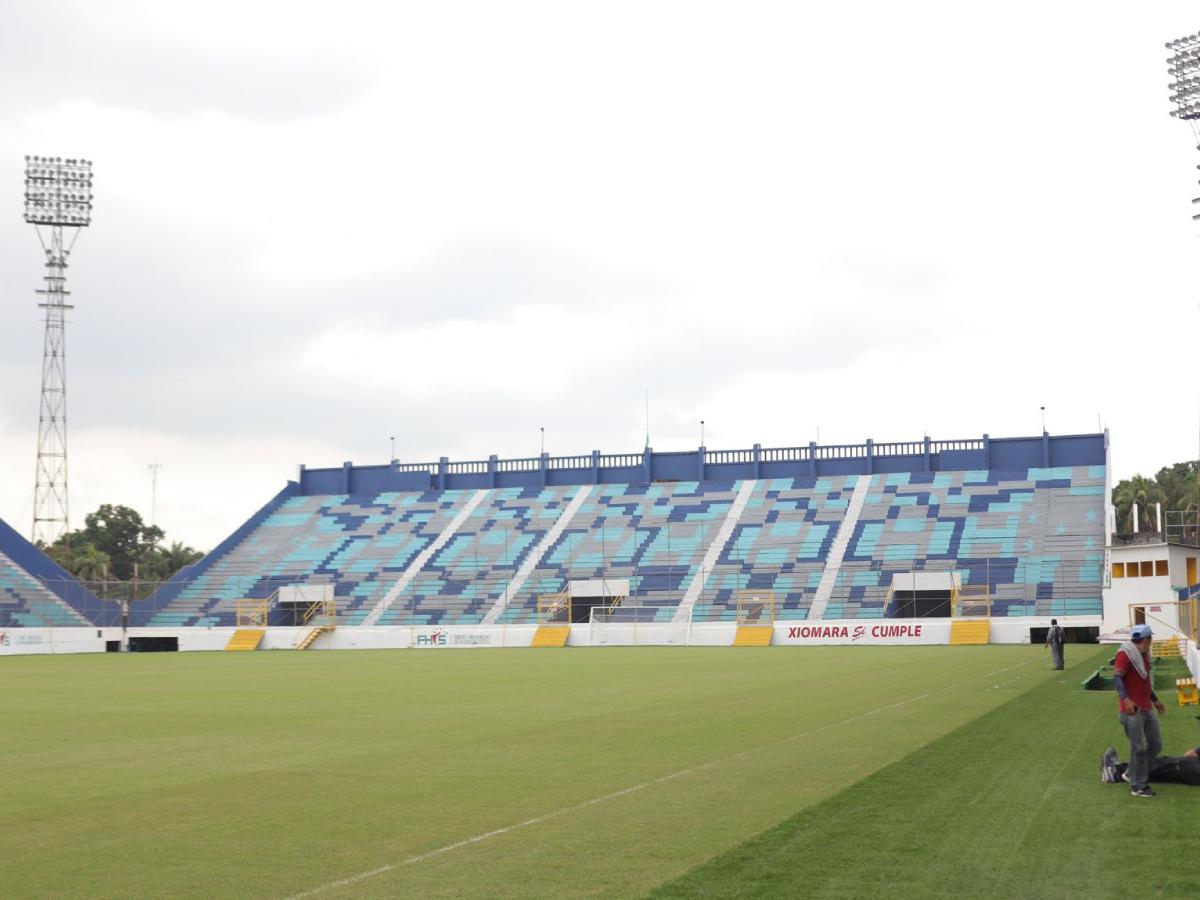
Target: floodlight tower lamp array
<point x="58" y="195"/>
<point x="58" y="191"/>
<point x="1184" y="66"/>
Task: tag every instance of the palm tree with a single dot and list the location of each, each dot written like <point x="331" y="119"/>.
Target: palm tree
<point x="62" y="553"/>
<point x="91" y="564"/>
<point x="169" y="560"/>
<point x="1139" y="489"/>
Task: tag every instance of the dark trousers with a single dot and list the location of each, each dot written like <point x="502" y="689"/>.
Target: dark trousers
<point x="1145" y="743"/>
<point x="1172" y="770"/>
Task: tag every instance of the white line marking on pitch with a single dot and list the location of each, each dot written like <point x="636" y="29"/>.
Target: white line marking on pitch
<point x="996" y="687"/>
<point x="537" y="820"/>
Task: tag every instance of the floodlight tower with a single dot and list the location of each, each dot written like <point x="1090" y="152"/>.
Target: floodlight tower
<point x="58" y="196"/>
<point x="1184" y="66"/>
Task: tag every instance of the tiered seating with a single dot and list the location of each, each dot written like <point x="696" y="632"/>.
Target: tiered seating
<point x="652" y="534"/>
<point x="358" y="544"/>
<point x="26" y="603"/>
<point x="464" y="578"/>
<point x="1034" y="539"/>
<point x="780" y="544"/>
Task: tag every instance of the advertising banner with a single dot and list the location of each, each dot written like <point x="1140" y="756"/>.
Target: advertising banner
<point x="857" y="631"/>
<point x="435" y="638"/>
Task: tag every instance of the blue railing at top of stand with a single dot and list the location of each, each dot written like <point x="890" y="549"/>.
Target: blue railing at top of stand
<point x="813" y="460"/>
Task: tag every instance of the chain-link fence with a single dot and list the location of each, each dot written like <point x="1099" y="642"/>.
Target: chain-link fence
<point x="100" y="603"/>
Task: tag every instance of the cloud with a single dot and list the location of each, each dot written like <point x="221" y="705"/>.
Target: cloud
<point x="115" y="57"/>
<point x="487" y="278"/>
<point x="459" y="223"/>
<point x="481" y="328"/>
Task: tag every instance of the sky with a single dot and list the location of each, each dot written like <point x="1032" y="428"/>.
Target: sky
<point x="319" y="226"/>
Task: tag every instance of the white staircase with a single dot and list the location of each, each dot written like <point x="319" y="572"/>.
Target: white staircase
<point x="837" y="552"/>
<point x="386" y="601"/>
<point x="713" y="553"/>
<point x="533" y="559"/>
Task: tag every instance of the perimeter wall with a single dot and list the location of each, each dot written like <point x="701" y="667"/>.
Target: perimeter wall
<point x="902" y="632"/>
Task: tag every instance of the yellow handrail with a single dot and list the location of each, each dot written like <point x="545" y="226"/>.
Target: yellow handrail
<point x="973" y="595"/>
<point x="323" y="610"/>
<point x="554" y="608"/>
<point x="252" y="612"/>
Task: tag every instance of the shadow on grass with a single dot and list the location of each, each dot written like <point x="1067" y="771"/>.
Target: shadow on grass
<point x="1008" y="806"/>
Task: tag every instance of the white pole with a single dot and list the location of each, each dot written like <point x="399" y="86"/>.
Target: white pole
<point x="1158" y="517"/>
<point x="1135" y="519"/>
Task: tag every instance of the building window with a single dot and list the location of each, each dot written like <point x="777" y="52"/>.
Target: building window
<point x="1147" y="568"/>
<point x="1118" y="570"/>
<point x="1160" y="567"/>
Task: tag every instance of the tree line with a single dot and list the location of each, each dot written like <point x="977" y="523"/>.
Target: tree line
<point x="114" y="544"/>
<point x="1176" y="487"/>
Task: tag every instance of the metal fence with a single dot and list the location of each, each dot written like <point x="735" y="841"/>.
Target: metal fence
<point x="1030" y="586"/>
<point x="484" y="572"/>
<point x="101" y="602"/>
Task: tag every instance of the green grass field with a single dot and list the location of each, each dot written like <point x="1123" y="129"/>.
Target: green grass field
<point x="714" y="772"/>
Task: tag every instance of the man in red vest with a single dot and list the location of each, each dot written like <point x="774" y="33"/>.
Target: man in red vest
<point x="1138" y="704"/>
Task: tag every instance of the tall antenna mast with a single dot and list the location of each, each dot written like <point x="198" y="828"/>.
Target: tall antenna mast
<point x="647" y="418"/>
<point x="154" y="468"/>
<point x="58" y="196"/>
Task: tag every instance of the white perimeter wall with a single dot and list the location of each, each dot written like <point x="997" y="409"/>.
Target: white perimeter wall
<point x="865" y="632"/>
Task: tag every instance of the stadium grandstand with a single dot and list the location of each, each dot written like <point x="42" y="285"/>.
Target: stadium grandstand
<point x="35" y="592"/>
<point x="1000" y="528"/>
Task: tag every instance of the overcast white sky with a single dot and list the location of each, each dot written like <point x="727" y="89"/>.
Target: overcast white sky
<point x="318" y="225"/>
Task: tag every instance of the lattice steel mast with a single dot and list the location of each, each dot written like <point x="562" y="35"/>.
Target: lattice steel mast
<point x="58" y="195"/>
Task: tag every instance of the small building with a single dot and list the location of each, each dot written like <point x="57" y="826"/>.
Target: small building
<point x="1153" y="576"/>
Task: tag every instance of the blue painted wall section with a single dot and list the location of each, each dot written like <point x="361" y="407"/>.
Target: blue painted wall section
<point x="36" y="592"/>
<point x="812" y="461"/>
